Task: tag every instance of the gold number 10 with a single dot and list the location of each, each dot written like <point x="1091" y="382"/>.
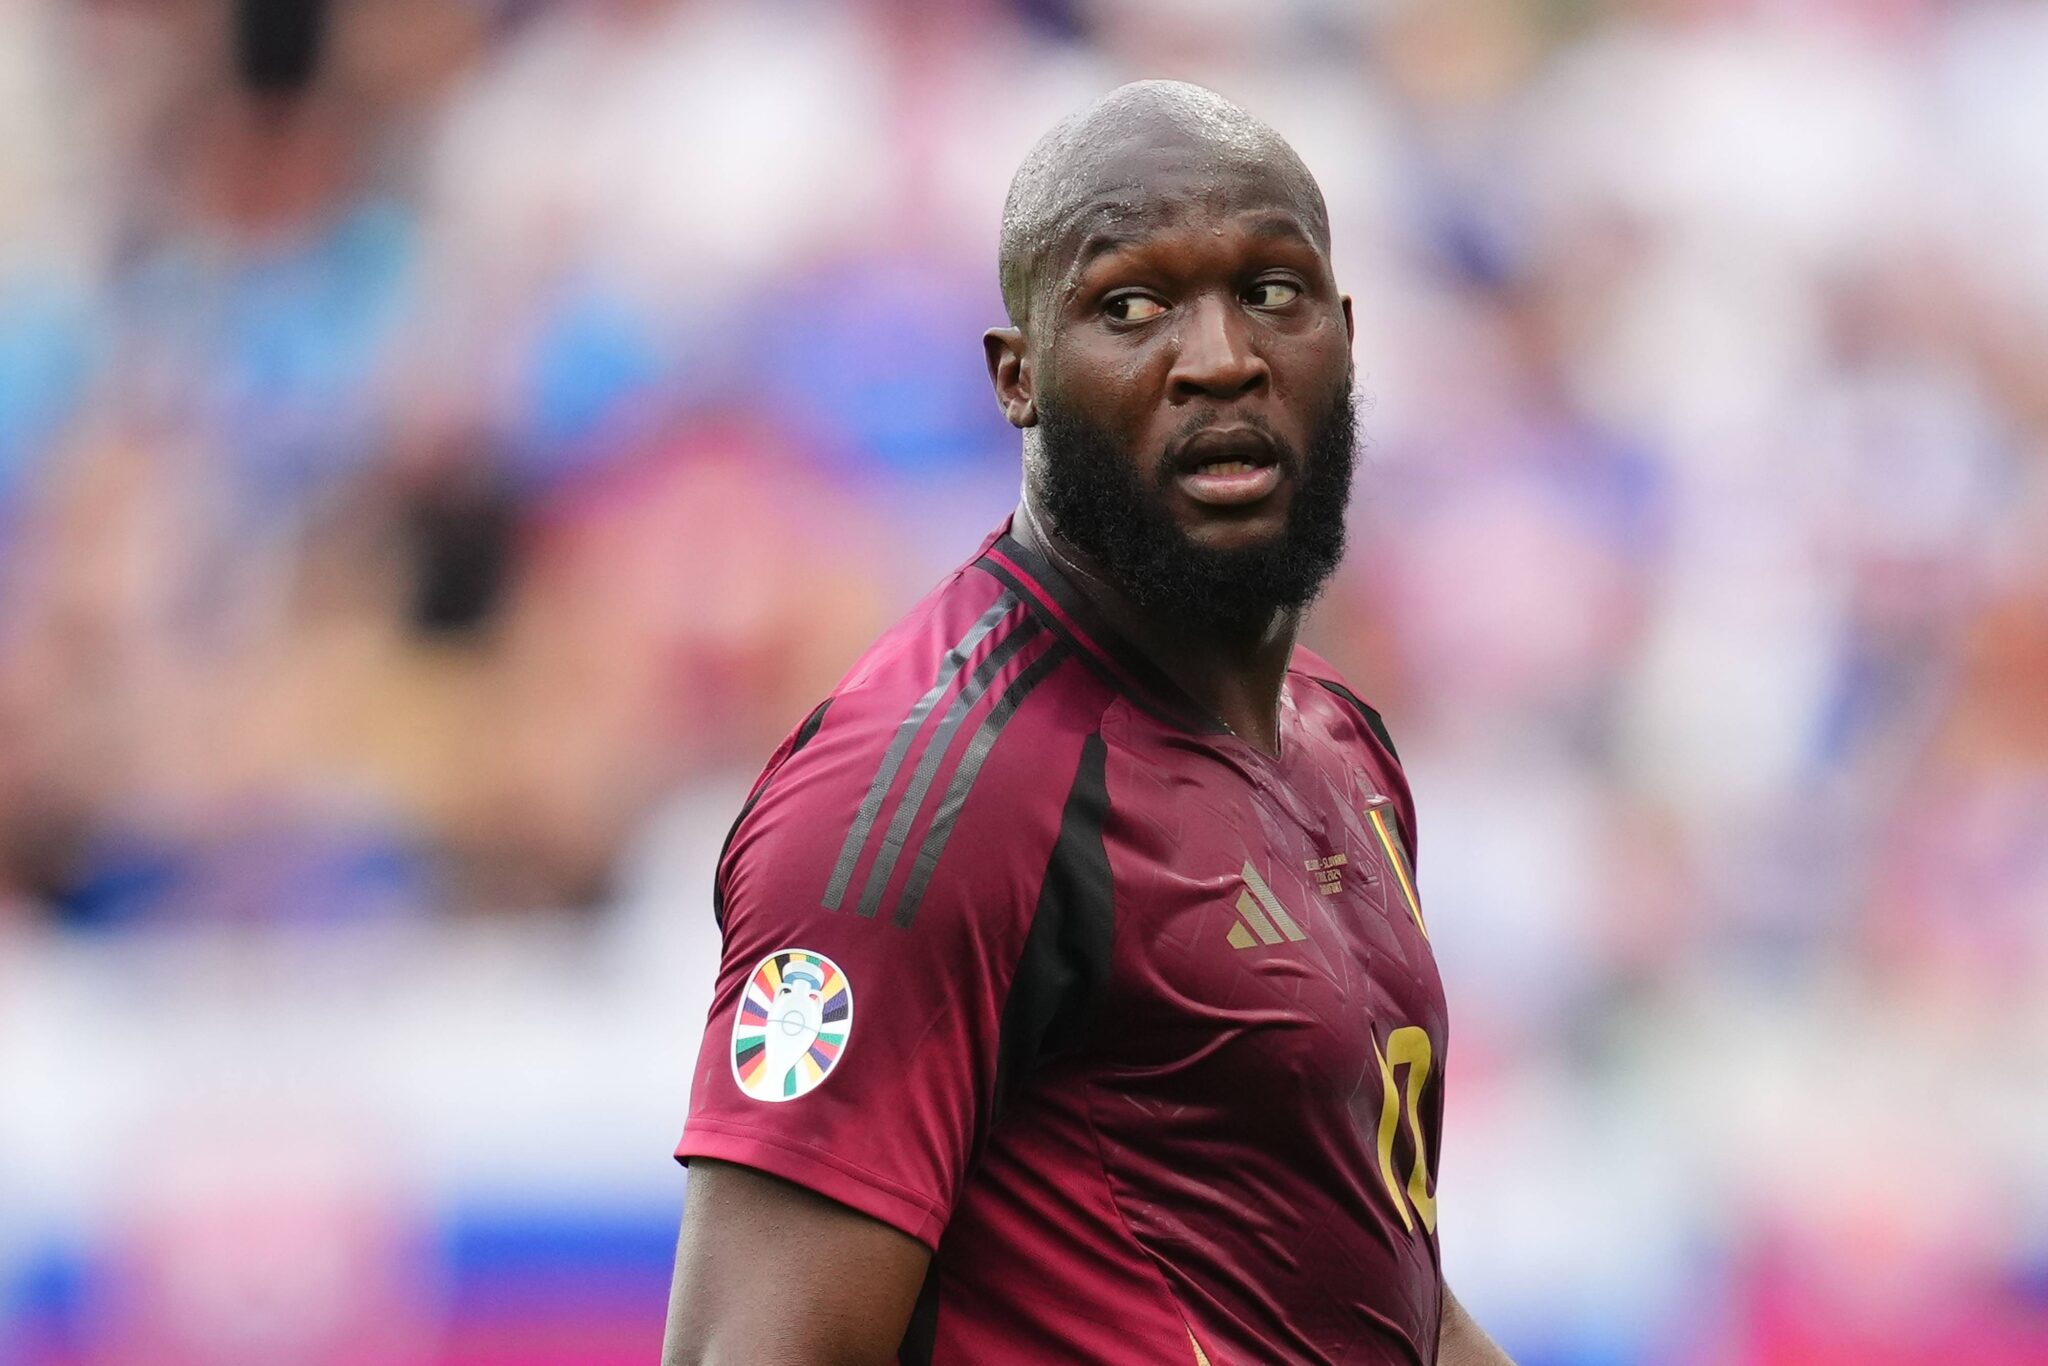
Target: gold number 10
<point x="1409" y="1047"/>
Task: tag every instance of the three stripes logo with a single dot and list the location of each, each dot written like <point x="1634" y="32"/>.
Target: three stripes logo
<point x="1261" y="917"/>
<point x="1010" y="653"/>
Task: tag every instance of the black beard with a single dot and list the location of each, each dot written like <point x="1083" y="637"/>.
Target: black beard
<point x="1090" y="490"/>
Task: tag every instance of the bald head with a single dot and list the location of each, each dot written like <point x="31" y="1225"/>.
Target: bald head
<point x="1095" y="167"/>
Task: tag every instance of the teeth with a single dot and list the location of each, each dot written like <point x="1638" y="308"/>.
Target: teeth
<point x="1228" y="467"/>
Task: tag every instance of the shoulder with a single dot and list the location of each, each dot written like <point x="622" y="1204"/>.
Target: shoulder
<point x="1357" y="727"/>
<point x="937" y="773"/>
<point x="1313" y="669"/>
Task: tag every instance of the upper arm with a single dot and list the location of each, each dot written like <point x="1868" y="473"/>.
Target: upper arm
<point x="771" y="1274"/>
<point x="877" y="913"/>
<point x="856" y="1053"/>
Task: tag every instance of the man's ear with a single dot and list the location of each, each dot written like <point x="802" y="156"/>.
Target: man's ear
<point x="1009" y="370"/>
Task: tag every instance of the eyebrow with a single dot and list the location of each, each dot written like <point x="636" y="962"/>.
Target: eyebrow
<point x="1270" y="224"/>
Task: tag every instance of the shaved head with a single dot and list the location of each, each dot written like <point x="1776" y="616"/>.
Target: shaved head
<point x="1089" y="171"/>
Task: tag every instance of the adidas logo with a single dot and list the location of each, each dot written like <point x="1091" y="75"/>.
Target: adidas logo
<point x="1261" y="917"/>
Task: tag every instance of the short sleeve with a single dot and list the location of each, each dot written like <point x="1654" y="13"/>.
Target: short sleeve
<point x="876" y="906"/>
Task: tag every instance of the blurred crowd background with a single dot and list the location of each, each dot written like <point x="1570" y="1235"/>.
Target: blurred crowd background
<point x="429" y="489"/>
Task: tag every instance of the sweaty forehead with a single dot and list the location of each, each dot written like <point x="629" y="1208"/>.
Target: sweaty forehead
<point x="1153" y="190"/>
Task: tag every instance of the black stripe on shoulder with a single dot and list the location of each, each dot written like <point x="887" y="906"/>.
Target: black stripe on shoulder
<point x="949" y="667"/>
<point x="1064" y="969"/>
<point x="979" y="746"/>
<point x="804" y="734"/>
<point x="897" y="836"/>
<point x="810" y="726"/>
<point x="1372" y="718"/>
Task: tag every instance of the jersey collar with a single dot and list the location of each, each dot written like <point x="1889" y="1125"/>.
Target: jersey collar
<point x="1058" y="602"/>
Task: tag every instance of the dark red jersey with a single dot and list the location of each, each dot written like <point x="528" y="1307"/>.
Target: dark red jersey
<point x="1137" y="1027"/>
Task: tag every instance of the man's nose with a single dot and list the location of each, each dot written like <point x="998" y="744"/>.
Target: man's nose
<point x="1216" y="357"/>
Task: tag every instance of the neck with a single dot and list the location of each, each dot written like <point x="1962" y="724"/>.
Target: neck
<point x="1236" y="675"/>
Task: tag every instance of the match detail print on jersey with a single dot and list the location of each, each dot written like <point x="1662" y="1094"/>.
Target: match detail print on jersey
<point x="793" y="1023"/>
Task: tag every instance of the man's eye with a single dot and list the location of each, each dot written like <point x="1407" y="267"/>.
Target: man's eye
<point x="1133" y="308"/>
<point x="1272" y="294"/>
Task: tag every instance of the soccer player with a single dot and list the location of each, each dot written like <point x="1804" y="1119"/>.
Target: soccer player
<point x="1076" y="1004"/>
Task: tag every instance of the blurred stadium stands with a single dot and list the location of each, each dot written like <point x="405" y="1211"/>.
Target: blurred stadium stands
<point x="425" y="499"/>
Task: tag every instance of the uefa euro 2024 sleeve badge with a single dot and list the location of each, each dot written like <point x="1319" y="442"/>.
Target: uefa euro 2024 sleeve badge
<point x="794" y="1019"/>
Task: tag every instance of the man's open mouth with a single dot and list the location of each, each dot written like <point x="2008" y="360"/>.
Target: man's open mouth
<point x="1228" y="466"/>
